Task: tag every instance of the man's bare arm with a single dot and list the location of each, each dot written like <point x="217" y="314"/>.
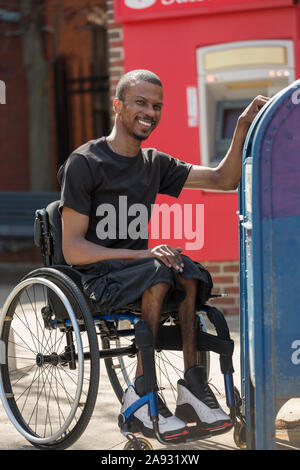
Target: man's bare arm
<point x="78" y="251"/>
<point x="227" y="174"/>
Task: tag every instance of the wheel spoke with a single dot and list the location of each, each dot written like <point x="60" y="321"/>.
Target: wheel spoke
<point x="44" y="390"/>
<point x="169" y="366"/>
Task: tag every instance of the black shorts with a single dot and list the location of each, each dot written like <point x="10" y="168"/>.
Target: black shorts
<point x="118" y="284"/>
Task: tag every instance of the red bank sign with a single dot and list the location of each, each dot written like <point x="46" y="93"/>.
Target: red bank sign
<point x="132" y="10"/>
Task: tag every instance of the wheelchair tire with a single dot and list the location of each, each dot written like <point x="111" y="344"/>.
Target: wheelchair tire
<point x="48" y="383"/>
<point x="143" y="444"/>
<point x="169" y="366"/>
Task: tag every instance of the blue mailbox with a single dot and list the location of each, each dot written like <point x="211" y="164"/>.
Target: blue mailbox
<point x="269" y="228"/>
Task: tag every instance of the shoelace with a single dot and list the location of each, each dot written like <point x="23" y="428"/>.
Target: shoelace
<point x="208" y="396"/>
<point x="210" y="383"/>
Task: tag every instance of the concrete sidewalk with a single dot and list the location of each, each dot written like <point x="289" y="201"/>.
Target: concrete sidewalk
<point x="103" y="433"/>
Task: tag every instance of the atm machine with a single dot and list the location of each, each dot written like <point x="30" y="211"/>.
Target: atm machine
<point x="230" y="75"/>
<point x="269" y="229"/>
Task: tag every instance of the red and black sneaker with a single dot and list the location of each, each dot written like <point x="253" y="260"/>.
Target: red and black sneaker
<point x="196" y="403"/>
<point x="168" y="424"/>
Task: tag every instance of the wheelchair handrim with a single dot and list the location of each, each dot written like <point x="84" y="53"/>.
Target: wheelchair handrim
<point x="67" y="305"/>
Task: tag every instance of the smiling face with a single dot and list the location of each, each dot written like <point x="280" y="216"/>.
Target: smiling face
<point x="139" y="112"/>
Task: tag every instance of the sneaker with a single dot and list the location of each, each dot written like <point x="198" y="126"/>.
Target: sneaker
<point x="168" y="424"/>
<point x="197" y="403"/>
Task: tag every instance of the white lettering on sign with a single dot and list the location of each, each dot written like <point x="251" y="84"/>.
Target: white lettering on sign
<point x="296" y="96"/>
<point x="140" y="4"/>
<point x="192" y="106"/>
<point x="296" y="354"/>
<point x="170" y="2"/>
<point x="2" y="92"/>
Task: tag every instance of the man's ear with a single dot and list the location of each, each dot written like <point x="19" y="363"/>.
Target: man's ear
<point x="116" y="105"/>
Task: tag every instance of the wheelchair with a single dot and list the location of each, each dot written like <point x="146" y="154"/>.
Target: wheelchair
<point x="52" y="338"/>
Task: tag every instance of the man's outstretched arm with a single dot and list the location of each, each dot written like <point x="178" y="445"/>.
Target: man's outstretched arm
<point x="227" y="174"/>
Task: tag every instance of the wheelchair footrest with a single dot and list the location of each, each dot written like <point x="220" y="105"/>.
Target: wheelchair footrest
<point x="130" y="427"/>
<point x="135" y="426"/>
<point x="192" y="433"/>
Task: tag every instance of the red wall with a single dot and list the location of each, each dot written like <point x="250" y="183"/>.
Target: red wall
<point x="168" y="47"/>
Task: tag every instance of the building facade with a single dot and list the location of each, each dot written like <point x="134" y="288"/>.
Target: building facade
<point x="61" y="61"/>
<point x="214" y="57"/>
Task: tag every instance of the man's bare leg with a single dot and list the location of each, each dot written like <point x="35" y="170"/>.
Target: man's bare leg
<point x="193" y="391"/>
<point x="152" y="301"/>
<point x="169" y="425"/>
<point x="187" y="319"/>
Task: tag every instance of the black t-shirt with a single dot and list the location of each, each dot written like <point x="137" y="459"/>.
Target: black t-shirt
<point x="118" y="192"/>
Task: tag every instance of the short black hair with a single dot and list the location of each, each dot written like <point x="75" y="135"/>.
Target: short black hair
<point x="135" y="75"/>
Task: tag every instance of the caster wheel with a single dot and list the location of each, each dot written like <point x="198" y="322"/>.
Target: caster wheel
<point x="239" y="435"/>
<point x="143" y="444"/>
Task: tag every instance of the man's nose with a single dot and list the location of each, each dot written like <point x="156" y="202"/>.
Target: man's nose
<point x="149" y="111"/>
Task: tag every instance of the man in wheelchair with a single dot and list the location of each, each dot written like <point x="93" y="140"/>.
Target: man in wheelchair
<point x="108" y="189"/>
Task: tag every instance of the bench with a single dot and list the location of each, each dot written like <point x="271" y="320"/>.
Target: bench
<point x="17" y="212"/>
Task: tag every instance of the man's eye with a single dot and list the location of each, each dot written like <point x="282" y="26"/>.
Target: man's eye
<point x="140" y="102"/>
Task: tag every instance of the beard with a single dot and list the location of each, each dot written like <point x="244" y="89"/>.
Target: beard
<point x="139" y="137"/>
<point x="138" y="134"/>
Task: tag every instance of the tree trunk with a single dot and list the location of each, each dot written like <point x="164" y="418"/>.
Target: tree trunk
<point x="38" y="95"/>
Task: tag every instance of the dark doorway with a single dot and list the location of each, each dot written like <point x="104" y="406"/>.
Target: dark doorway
<point x="82" y="100"/>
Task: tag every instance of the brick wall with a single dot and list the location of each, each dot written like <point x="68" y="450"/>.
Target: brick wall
<point x="14" y="141"/>
<point x="225" y="276"/>
<point x="74" y="40"/>
<point x="115" y="48"/>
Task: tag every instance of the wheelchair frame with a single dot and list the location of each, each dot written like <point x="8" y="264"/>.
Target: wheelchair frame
<point x="63" y="282"/>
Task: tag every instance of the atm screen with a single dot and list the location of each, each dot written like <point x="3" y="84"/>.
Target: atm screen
<point x="227" y="113"/>
<point x="230" y="117"/>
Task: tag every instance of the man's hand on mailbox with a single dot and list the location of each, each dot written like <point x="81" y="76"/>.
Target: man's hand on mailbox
<point x="252" y="110"/>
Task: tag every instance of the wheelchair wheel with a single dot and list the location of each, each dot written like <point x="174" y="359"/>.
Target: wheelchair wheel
<point x="169" y="365"/>
<point x="143" y="444"/>
<point x="49" y="359"/>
